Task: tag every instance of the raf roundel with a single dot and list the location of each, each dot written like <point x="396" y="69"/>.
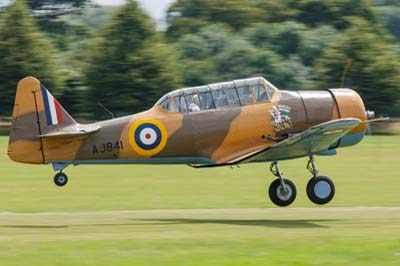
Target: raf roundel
<point x="147" y="136"/>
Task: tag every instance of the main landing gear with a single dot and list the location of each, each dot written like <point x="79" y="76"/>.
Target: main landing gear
<point x="282" y="191"/>
<point x="60" y="179"/>
<point x="320" y="189"/>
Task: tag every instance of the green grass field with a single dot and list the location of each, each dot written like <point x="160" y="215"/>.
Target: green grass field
<point x="176" y="215"/>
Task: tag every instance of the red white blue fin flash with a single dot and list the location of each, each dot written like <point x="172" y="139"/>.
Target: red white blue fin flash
<point x="52" y="108"/>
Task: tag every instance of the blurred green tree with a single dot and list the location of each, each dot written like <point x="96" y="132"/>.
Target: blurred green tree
<point x="186" y="16"/>
<point x="386" y="2"/>
<point x="198" y="72"/>
<point x="237" y="60"/>
<point x="54" y="18"/>
<point x="291" y="39"/>
<point x="209" y="41"/>
<point x="284" y="38"/>
<point x="297" y="76"/>
<point x="24" y="51"/>
<point x="129" y="66"/>
<point x="337" y="13"/>
<point x="198" y="51"/>
<point x="193" y="46"/>
<point x="372" y="66"/>
<point x="214" y="54"/>
<point x="241" y="59"/>
<point x="315" y="41"/>
<point x="277" y="10"/>
<point x="391" y="19"/>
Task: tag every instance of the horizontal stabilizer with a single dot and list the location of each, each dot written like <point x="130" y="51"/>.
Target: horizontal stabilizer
<point x="67" y="132"/>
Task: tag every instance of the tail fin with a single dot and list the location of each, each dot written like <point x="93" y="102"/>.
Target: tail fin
<point x="36" y="112"/>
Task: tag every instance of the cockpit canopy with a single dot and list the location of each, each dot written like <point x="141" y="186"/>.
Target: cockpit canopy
<point x="218" y="95"/>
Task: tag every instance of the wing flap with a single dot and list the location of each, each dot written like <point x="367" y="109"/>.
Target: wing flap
<point x="310" y="141"/>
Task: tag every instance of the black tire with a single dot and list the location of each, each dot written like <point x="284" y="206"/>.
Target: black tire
<point x="320" y="190"/>
<point x="60" y="179"/>
<point x="276" y="192"/>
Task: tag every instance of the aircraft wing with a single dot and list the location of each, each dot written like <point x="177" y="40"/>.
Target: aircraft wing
<point x="315" y="139"/>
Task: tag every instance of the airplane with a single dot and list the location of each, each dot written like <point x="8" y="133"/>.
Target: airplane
<point x="228" y="123"/>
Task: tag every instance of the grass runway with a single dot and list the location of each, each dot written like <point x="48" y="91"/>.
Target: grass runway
<point x="175" y="215"/>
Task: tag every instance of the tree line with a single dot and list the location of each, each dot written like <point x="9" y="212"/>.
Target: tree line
<point x="86" y="54"/>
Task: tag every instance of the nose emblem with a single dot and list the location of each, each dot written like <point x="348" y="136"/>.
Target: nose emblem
<point x="280" y="117"/>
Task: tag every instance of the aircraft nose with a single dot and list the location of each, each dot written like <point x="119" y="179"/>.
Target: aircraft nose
<point x="350" y="105"/>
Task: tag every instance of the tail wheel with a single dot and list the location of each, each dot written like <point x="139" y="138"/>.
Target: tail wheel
<point x="320" y="190"/>
<point x="282" y="195"/>
<point x="60" y="179"/>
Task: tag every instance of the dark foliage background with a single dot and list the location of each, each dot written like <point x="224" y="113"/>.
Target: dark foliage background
<point x="85" y="53"/>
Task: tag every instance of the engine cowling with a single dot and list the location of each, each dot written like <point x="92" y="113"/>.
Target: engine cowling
<point x="350" y="105"/>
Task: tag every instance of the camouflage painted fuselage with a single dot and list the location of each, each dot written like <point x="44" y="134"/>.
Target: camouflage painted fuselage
<point x="207" y="137"/>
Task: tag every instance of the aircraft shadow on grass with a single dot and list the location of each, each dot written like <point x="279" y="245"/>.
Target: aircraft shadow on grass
<point x="31" y="226"/>
<point x="260" y="222"/>
<point x="150" y="222"/>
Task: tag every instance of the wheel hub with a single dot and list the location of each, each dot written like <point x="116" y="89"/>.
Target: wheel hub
<point x="284" y="193"/>
<point x="322" y="189"/>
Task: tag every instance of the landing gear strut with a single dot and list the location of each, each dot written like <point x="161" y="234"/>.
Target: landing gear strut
<point x="320" y="189"/>
<point x="282" y="191"/>
<point x="60" y="179"/>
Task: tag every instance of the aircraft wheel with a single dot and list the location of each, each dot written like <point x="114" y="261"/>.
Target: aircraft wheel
<point x="282" y="197"/>
<point x="60" y="179"/>
<point x="320" y="190"/>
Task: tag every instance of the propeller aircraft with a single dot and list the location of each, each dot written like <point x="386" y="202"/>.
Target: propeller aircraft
<point x="229" y="123"/>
